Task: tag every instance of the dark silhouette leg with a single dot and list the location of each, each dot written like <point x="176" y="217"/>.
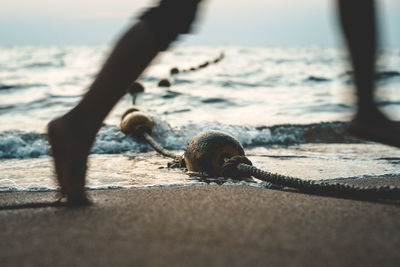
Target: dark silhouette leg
<point x="359" y="27"/>
<point x="71" y="136"/>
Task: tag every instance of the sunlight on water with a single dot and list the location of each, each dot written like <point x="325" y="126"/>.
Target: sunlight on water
<point x="252" y="85"/>
<point x="288" y="106"/>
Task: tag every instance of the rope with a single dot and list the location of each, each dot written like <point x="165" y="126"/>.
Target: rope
<point x="176" y="70"/>
<point x="178" y="161"/>
<point x="157" y="147"/>
<point x="316" y="187"/>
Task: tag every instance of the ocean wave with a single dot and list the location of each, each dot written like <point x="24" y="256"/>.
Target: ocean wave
<point x="6" y="108"/>
<point x="20" y="86"/>
<point x="379" y="75"/>
<point x="213" y="100"/>
<point x="387" y="103"/>
<point x="110" y="140"/>
<point x="384" y="75"/>
<point x="35" y="65"/>
<point x="6" y="87"/>
<point x="19" y="144"/>
<point x="182" y="81"/>
<point x="317" y="79"/>
<point x="237" y="84"/>
<point x="170" y="94"/>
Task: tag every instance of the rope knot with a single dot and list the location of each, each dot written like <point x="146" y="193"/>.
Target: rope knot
<point x="230" y="167"/>
<point x="178" y="162"/>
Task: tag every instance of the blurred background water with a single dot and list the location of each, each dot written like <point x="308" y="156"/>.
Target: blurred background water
<point x="280" y="98"/>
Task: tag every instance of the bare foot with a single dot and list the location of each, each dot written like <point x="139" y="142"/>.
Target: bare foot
<point x="376" y="127"/>
<point x="70" y="159"/>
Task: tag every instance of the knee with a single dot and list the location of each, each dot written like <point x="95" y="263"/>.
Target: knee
<point x="169" y="19"/>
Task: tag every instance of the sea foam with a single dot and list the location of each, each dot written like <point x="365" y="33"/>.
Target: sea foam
<point x="110" y="140"/>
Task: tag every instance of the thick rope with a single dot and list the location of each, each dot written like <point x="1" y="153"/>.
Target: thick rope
<point x="229" y="169"/>
<point x="319" y="187"/>
<point x="157" y="147"/>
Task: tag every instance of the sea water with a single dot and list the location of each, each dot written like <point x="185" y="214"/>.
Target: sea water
<point x="288" y="106"/>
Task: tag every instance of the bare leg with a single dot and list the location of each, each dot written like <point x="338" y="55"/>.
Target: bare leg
<point x="72" y="135"/>
<point x="359" y="27"/>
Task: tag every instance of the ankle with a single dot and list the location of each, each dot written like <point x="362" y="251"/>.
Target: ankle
<point x="368" y="111"/>
<point x="80" y="127"/>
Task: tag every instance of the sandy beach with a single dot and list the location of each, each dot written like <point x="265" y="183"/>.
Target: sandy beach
<point x="295" y="86"/>
<point x="201" y="226"/>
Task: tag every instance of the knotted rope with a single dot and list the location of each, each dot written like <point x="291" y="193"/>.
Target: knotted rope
<point x="157" y="147"/>
<point x="239" y="166"/>
<point x="178" y="161"/>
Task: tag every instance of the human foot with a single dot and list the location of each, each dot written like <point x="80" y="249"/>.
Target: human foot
<point x="375" y="126"/>
<point x="70" y="158"/>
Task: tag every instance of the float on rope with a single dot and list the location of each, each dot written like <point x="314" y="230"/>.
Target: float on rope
<point x="139" y="124"/>
<point x="164" y="83"/>
<point x="135" y="122"/>
<point x="175" y="70"/>
<point x="208" y="151"/>
<point x="129" y="110"/>
<point x="134" y="89"/>
<point x="220" y="154"/>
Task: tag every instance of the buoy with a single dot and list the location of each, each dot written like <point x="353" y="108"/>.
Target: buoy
<point x="130" y="110"/>
<point x="205" y="64"/>
<point x="135" y="87"/>
<point x="208" y="150"/>
<point x="174" y="71"/>
<point x="164" y="83"/>
<point x="137" y="122"/>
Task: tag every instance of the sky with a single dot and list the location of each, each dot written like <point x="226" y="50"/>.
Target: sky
<point x="221" y="22"/>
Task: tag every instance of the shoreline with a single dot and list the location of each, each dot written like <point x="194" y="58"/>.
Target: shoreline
<point x="148" y="169"/>
<point x="385" y="180"/>
<point x="201" y="225"/>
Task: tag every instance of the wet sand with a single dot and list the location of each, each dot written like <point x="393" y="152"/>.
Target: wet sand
<point x="201" y="226"/>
